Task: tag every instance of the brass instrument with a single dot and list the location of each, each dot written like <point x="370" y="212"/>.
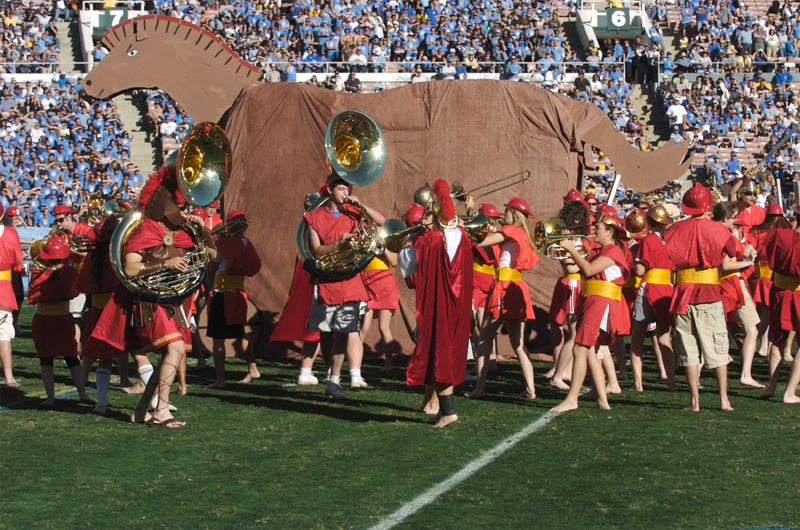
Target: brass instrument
<point x="202" y="172"/>
<point x="95" y="204"/>
<point x="395" y="234"/>
<point x="547" y="235"/>
<point x="479" y="226"/>
<point x="716" y="194"/>
<point x="459" y="193"/>
<point x="356" y="152"/>
<point x="229" y="228"/>
<point x="116" y="208"/>
<point x="82" y="243"/>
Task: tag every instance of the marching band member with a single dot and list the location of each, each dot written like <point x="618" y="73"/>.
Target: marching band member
<point x="10" y="261"/>
<point x="653" y="298"/>
<point x="338" y="304"/>
<point x="53" y="327"/>
<point x="760" y="282"/>
<point x="483" y="272"/>
<point x="384" y="297"/>
<point x="441" y="258"/>
<point x="66" y="222"/>
<point x="605" y="270"/>
<point x="509" y="299"/>
<point x="696" y="247"/>
<point x="236" y="259"/>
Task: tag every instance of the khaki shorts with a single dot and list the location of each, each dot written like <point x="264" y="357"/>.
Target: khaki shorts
<point x="76" y="306"/>
<point x="603" y="352"/>
<point x="6" y="326"/>
<point x="702" y="330"/>
<point x="747" y="314"/>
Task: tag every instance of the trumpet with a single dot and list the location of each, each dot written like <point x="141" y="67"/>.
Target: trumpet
<point x="229" y="229"/>
<point x="716" y="194"/>
<point x="479" y="226"/>
<point x="547" y="235"/>
<point x="395" y="234"/>
<point x="95" y="204"/>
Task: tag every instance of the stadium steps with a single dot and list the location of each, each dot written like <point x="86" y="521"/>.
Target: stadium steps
<point x="143" y="153"/>
<point x="570" y="34"/>
<point x="646" y="104"/>
<point x="69" y="53"/>
<point x="671" y="39"/>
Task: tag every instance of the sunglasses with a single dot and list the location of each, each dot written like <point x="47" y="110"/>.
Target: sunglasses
<point x="60" y="219"/>
<point x="749" y="194"/>
<point x="592" y="204"/>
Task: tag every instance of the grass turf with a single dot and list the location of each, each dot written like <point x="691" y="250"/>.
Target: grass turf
<point x="287" y="457"/>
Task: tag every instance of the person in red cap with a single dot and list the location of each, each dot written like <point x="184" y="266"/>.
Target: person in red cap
<point x="593" y="202"/>
<point x="53" y="329"/>
<point x="483" y="272"/>
<point x="746" y="191"/>
<point x="696" y="247"/>
<point x="509" y="300"/>
<point x="212" y="217"/>
<point x="339" y="303"/>
<point x="606" y="270"/>
<point x="739" y="306"/>
<point x="10" y="263"/>
<point x="66" y="222"/>
<point x="236" y="260"/>
<point x="782" y="248"/>
<point x="760" y="282"/>
<point x="442" y="260"/>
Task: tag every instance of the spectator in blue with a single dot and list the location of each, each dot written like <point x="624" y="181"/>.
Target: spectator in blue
<point x="734" y="165"/>
<point x="513" y="69"/>
<point x="290" y="72"/>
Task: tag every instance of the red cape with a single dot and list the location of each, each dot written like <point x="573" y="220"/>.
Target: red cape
<point x="292" y="324"/>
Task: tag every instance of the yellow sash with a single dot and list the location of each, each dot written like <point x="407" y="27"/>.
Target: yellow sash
<point x="508" y="275"/>
<point x="762" y="271"/>
<point x="633" y="283"/>
<point x="788" y="283"/>
<point x="486" y="269"/>
<point x="228" y="282"/>
<point x="658" y="277"/>
<point x="5" y="275"/>
<point x="602" y="288"/>
<point x="575" y="276"/>
<point x="701" y="276"/>
<point x="375" y="265"/>
<point x="100" y="300"/>
<point x="58" y="308"/>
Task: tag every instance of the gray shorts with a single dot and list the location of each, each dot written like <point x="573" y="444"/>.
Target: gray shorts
<point x="344" y="318"/>
<point x="642" y="312"/>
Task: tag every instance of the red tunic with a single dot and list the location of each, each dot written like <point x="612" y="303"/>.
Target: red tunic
<point x="512" y="300"/>
<point x="698" y="243"/>
<point x="10" y="260"/>
<point x="782" y="253"/>
<point x="93" y="348"/>
<point x="653" y="254"/>
<point x="53" y="335"/>
<point x="292" y="324"/>
<point x="243" y="260"/>
<point x="382" y="288"/>
<point x="444" y="311"/>
<point x="565" y="300"/>
<point x="329" y="228"/>
<point x="592" y="308"/>
<point x="731" y="288"/>
<point x="628" y="295"/>
<point x="752" y="216"/>
<point x="760" y="286"/>
<point x="481" y="281"/>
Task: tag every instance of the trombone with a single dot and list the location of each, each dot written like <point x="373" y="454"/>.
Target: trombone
<point x="548" y="235"/>
<point x="459" y="193"/>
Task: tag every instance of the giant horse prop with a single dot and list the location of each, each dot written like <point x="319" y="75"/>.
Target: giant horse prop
<point x="469" y="131"/>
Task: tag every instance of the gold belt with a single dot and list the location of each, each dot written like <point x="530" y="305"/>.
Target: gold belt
<point x="658" y="277"/>
<point x="228" y="282"/>
<point x="100" y="300"/>
<point x="763" y="271"/>
<point x="602" y="288"/>
<point x="375" y="265"/>
<point x="633" y="283"/>
<point x="77" y="264"/>
<point x="701" y="276"/>
<point x="486" y="269"/>
<point x="507" y="274"/>
<point x="5" y="275"/>
<point x="55" y="309"/>
<point x="575" y="276"/>
<point x="787" y="283"/>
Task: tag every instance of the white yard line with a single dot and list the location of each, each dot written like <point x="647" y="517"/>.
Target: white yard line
<point x="470" y="469"/>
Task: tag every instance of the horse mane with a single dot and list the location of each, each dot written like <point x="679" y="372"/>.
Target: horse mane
<point x="169" y="26"/>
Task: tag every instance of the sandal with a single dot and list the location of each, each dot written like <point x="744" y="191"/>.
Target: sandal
<point x="171" y="423"/>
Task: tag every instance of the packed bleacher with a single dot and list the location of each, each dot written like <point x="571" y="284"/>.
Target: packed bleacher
<point x="30" y="40"/>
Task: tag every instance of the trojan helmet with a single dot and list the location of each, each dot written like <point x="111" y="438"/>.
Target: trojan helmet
<point x="748" y="186"/>
<point x="636" y="224"/>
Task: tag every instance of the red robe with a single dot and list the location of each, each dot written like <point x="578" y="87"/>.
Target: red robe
<point x="698" y="243"/>
<point x="512" y="300"/>
<point x="53" y="335"/>
<point x="93" y="348"/>
<point x="444" y="311"/>
<point x="329" y="228"/>
<point x="293" y="320"/>
<point x="10" y="260"/>
<point x="592" y="308"/>
<point x="782" y="253"/>
<point x="760" y="286"/>
<point x="243" y="260"/>
<point x="653" y="254"/>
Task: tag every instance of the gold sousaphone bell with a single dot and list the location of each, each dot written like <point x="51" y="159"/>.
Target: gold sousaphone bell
<point x="548" y="235"/>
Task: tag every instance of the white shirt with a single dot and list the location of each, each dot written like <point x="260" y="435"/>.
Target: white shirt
<point x="407" y="259"/>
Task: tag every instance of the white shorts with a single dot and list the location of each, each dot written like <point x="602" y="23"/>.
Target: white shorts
<point x="6" y="326"/>
<point x="76" y="306"/>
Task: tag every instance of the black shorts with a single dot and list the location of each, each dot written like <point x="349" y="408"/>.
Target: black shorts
<point x="218" y="328"/>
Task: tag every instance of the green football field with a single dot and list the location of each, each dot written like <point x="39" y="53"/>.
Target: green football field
<point x="274" y="455"/>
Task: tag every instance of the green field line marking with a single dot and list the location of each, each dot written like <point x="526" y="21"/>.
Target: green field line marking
<point x="435" y="492"/>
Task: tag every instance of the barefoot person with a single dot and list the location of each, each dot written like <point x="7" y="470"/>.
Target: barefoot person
<point x="236" y="259"/>
<point x="483" y="273"/>
<point x="10" y="261"/>
<point x="509" y="299"/>
<point x="696" y="247"/>
<point x="442" y="261"/>
<point x="606" y="270"/>
<point x="53" y="327"/>
<point x="384" y="297"/>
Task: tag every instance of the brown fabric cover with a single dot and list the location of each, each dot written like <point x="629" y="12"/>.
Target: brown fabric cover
<point x="473" y="132"/>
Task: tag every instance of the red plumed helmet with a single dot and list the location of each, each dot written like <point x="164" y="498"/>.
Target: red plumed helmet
<point x="774" y="209"/>
<point x="520" y="205"/>
<point x="697" y="200"/>
<point x="489" y="210"/>
<point x="56" y="248"/>
<point x="447" y="208"/>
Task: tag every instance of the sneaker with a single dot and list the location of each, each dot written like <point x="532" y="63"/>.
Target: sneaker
<point x="100" y="409"/>
<point x="307" y="380"/>
<point x="469" y="378"/>
<point x="154" y="404"/>
<point x="358" y="382"/>
<point x="335" y="391"/>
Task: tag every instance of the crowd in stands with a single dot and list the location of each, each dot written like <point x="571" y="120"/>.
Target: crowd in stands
<point x="30" y="40"/>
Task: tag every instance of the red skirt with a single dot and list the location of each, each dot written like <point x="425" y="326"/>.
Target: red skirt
<point x="294" y="319"/>
<point x="382" y="289"/>
<point x="97" y="350"/>
<point x="511" y="300"/>
<point x="784" y="314"/>
<point x="625" y="310"/>
<point x="590" y="315"/>
<point x="759" y="289"/>
<point x="564" y="301"/>
<point x="481" y="284"/>
<point x="660" y="299"/>
<point x="732" y="296"/>
<point x="164" y="331"/>
<point x="54" y="336"/>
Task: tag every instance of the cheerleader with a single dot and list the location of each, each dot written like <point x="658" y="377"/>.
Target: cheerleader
<point x="606" y="270"/>
<point x="509" y="300"/>
<point x="384" y="297"/>
<point x="483" y="272"/>
<point x="760" y="282"/>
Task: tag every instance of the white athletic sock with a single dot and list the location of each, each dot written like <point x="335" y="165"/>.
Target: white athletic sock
<point x="145" y="371"/>
<point x="103" y="378"/>
<point x="335" y="379"/>
<point x="305" y="371"/>
<point x="355" y="372"/>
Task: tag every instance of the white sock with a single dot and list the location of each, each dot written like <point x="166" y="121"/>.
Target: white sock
<point x="329" y="373"/>
<point x="335" y="379"/>
<point x="355" y="372"/>
<point x="145" y="371"/>
<point x="103" y="378"/>
<point x="305" y="371"/>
